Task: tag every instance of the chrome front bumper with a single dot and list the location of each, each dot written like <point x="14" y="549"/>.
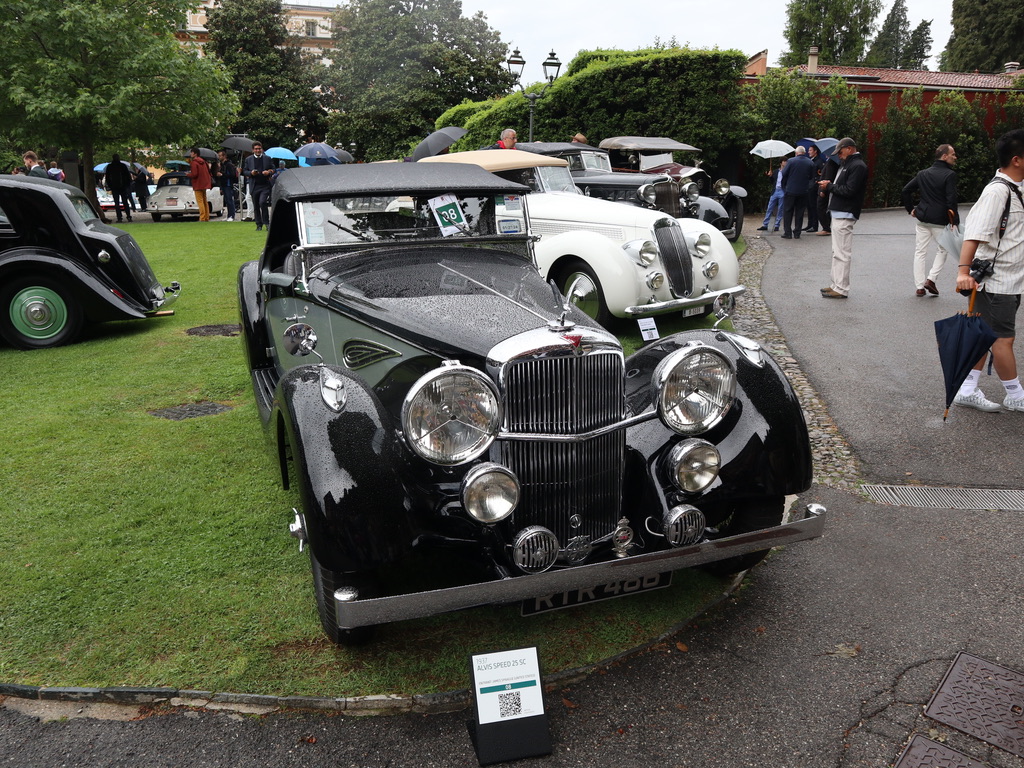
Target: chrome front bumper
<point x="676" y="305"/>
<point x="381" y="610"/>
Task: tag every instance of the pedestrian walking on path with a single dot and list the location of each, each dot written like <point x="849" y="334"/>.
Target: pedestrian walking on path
<point x="846" y="198"/>
<point x="992" y="263"/>
<point x="935" y="210"/>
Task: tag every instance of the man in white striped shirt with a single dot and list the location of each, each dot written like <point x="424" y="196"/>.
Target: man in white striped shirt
<point x="998" y="297"/>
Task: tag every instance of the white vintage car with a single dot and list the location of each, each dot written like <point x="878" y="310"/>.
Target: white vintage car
<point x="638" y="262"/>
<point x="174" y="197"/>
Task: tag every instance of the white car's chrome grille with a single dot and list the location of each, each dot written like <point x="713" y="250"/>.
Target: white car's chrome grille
<point x="676" y="258"/>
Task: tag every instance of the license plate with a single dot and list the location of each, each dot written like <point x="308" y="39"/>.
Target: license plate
<point x="691" y="311"/>
<point x="584" y="595"/>
<point x="172" y="201"/>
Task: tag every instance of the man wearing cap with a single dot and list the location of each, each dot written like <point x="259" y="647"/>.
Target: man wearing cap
<point x="846" y="197"/>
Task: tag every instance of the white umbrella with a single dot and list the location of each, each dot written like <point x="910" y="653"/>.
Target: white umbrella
<point x="770" y="148"/>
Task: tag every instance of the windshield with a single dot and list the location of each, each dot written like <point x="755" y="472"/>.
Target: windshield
<point x="344" y="220"/>
<point x="652" y="161"/>
<point x="555" y="178"/>
<point x="589" y="161"/>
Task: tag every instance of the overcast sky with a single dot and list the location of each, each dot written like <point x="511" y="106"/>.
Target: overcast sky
<point x="539" y="26"/>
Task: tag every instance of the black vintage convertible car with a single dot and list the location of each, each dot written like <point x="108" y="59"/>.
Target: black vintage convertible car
<point x="460" y="434"/>
<point x="60" y="266"/>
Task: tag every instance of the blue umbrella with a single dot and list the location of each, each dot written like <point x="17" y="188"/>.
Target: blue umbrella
<point x="963" y="339"/>
<point x="827" y="145"/>
<point x="280" y="153"/>
<point x="807" y="142"/>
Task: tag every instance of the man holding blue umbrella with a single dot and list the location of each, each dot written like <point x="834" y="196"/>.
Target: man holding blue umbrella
<point x="992" y="263"/>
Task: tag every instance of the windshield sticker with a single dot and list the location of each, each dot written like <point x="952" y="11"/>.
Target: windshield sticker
<point x="448" y="214"/>
<point x="513" y="203"/>
<point x="314" y="219"/>
<point x="510" y="227"/>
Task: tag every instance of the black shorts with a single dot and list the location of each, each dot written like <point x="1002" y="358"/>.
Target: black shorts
<point x="999" y="310"/>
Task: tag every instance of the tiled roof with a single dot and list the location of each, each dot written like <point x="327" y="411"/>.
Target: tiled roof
<point x="919" y="77"/>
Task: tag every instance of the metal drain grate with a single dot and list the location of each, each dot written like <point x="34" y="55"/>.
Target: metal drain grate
<point x="946" y="498"/>
<point x="925" y="753"/>
<point x="189" y="411"/>
<point x="984" y="700"/>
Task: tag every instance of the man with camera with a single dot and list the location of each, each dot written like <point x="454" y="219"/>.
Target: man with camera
<point x="992" y="261"/>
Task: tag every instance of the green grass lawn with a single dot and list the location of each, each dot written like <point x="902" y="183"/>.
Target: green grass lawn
<point x="136" y="550"/>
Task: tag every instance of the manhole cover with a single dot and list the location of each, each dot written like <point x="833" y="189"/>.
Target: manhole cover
<point x="984" y="700"/>
<point x="215" y="330"/>
<point x="189" y="411"/>
<point x="925" y="753"/>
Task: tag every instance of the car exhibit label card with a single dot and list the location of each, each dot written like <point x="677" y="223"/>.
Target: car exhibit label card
<point x="448" y="214"/>
<point x="507" y="685"/>
<point x="648" y="328"/>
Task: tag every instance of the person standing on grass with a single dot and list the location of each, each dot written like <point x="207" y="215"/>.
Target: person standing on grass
<point x="994" y="231"/>
<point x="227" y="177"/>
<point x="258" y="168"/>
<point x="202" y="181"/>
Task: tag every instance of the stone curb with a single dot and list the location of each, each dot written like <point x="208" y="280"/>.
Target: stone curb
<point x="753" y="319"/>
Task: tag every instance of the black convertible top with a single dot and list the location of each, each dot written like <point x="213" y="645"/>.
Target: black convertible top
<point x="557" y="147"/>
<point x="389" y="178"/>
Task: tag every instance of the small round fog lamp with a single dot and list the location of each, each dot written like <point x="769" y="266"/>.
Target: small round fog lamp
<point x="694" y="465"/>
<point x="490" y="493"/>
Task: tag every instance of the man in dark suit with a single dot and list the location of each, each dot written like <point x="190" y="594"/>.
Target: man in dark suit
<point x="796" y="180"/>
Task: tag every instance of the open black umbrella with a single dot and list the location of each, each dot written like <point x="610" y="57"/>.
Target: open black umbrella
<point x="239" y="143"/>
<point x="315" y="150"/>
<point x="438" y="141"/>
<point x="206" y="153"/>
<point x="963" y="339"/>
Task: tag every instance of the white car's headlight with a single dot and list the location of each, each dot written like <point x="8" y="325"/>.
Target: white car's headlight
<point x="695" y="387"/>
<point x="702" y="245"/>
<point x="721" y="187"/>
<point x="689" y="193"/>
<point x="643" y="252"/>
<point x="451" y="415"/>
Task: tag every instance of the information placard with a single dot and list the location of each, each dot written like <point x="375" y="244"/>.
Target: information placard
<point x="648" y="328"/>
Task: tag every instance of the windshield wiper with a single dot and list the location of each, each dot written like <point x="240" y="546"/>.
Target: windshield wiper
<point x="361" y="235"/>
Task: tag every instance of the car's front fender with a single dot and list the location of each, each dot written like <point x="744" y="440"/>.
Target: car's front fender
<point x="348" y="468"/>
<point x="619" y="275"/>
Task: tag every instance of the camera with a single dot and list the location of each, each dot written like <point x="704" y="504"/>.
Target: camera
<point x="981" y="268"/>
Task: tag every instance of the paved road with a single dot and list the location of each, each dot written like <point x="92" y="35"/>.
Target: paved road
<point x="825" y="659"/>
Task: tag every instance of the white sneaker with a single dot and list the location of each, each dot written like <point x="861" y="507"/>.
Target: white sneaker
<point x="1013" y="403"/>
<point x="979" y="401"/>
<point x="229" y="218"/>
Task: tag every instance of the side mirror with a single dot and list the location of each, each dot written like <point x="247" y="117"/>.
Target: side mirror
<point x="300" y="339"/>
<point x="723" y="307"/>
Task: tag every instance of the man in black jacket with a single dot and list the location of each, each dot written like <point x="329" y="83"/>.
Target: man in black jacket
<point x="796" y="180"/>
<point x="846" y="197"/>
<point x="936" y="208"/>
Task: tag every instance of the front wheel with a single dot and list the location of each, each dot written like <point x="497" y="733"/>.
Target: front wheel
<point x="592" y="301"/>
<point x="736" y="218"/>
<point x="37" y="312"/>
<point x="156" y="216"/>
<point x="756" y="517"/>
<point x="325" y="582"/>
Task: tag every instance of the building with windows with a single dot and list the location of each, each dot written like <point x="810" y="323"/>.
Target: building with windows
<point x="309" y="25"/>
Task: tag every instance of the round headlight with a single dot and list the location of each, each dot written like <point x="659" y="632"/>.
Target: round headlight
<point x="696" y="386"/>
<point x="721" y="187"/>
<point x="648" y="194"/>
<point x="694" y="465"/>
<point x="702" y="245"/>
<point x="689" y="192"/>
<point x="451" y="415"/>
<point x="490" y="492"/>
<point x="643" y="252"/>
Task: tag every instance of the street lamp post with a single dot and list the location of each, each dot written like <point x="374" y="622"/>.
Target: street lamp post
<point x="516" y="63"/>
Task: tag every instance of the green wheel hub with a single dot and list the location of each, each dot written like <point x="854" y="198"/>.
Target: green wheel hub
<point x="38" y="313"/>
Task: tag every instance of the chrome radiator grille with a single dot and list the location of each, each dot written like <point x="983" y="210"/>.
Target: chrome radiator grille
<point x="676" y="258"/>
<point x="566" y="396"/>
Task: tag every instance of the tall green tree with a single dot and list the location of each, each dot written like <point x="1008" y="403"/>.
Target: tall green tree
<point x="84" y="73"/>
<point x="918" y="47"/>
<point x="887" y="48"/>
<point x="986" y="35"/>
<point x="840" y="28"/>
<point x="401" y="63"/>
<point x="273" y="78"/>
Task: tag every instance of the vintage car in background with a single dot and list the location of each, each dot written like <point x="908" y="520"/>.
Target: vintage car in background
<point x="592" y="171"/>
<point x="460" y="434"/>
<point x="635" y="262"/>
<point x="654" y="154"/>
<point x="174" y="197"/>
<point x="60" y="266"/>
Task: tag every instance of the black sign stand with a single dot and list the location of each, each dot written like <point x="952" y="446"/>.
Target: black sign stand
<point x="520" y="736"/>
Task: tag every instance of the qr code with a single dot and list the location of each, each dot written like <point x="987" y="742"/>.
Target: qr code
<point x="510" y="704"/>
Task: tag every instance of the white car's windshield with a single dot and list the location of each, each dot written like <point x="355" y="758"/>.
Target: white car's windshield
<point x="651" y="161"/>
<point x="555" y="178"/>
<point x="343" y="220"/>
